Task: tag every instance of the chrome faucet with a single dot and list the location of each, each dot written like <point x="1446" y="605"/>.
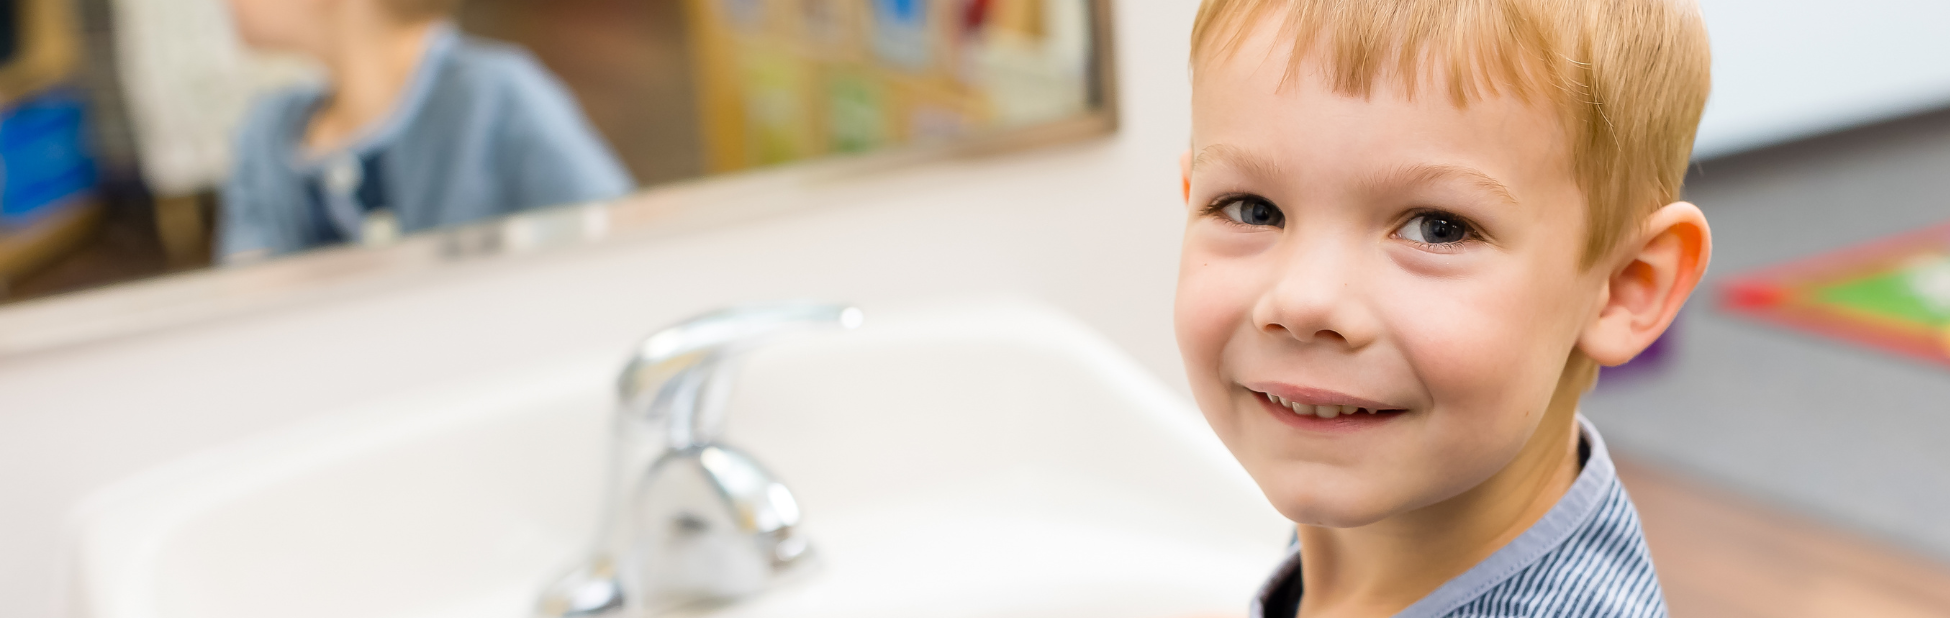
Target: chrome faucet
<point x="689" y="520"/>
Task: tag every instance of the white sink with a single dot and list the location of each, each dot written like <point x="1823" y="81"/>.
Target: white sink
<point x="999" y="461"/>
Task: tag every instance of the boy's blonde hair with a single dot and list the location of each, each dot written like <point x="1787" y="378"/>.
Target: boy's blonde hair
<point x="1629" y="76"/>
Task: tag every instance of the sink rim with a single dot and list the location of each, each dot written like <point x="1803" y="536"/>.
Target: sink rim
<point x="118" y="531"/>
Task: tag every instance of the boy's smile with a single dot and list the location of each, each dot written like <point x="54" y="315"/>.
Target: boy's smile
<point x="1303" y="408"/>
<point x="1377" y="295"/>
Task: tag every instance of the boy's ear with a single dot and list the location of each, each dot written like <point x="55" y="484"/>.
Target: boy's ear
<point x="1185" y="174"/>
<point x="1646" y="289"/>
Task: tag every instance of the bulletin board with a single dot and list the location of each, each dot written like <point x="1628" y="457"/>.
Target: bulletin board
<point x="1891" y="294"/>
<point x="784" y="80"/>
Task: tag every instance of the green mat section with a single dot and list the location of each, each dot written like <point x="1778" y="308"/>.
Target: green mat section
<point x="1886" y="294"/>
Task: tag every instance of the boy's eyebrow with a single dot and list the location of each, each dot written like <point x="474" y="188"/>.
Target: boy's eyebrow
<point x="1420" y="173"/>
<point x="1430" y="172"/>
<point x="1246" y="160"/>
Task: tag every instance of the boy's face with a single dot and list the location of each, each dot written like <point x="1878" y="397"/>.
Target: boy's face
<point x="1405" y="256"/>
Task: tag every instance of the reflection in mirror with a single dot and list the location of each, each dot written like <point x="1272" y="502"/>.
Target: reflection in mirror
<point x="414" y="127"/>
<point x="147" y="136"/>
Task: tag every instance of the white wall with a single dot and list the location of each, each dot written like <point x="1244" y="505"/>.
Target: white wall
<point x="1784" y="69"/>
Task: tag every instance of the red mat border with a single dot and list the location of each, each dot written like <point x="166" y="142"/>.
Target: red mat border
<point x="1767" y="294"/>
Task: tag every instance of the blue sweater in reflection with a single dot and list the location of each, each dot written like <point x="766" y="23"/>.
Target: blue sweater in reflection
<point x="481" y="130"/>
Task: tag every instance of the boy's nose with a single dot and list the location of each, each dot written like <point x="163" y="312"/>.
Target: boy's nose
<point x="1316" y="297"/>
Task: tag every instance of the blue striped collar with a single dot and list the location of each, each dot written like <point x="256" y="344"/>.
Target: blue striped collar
<point x="1588" y="495"/>
<point x="1572" y="512"/>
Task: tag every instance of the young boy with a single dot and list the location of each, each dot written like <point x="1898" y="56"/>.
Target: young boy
<point x="1417" y="227"/>
<point x="417" y="127"/>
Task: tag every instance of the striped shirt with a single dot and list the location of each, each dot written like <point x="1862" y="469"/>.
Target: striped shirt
<point x="1586" y="557"/>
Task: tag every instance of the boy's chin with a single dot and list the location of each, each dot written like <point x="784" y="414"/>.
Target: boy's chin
<point x="1330" y="517"/>
<point x="1330" y="510"/>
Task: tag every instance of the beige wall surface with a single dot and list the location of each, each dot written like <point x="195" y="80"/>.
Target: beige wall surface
<point x="1091" y="227"/>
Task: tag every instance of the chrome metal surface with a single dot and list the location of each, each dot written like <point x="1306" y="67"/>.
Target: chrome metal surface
<point x="690" y="520"/>
<point x="713" y="525"/>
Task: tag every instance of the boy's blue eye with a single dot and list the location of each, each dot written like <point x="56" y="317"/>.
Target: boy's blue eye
<point x="1252" y="210"/>
<point x="1435" y="229"/>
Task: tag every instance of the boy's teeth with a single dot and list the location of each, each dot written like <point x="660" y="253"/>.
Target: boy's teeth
<point x="1320" y="411"/>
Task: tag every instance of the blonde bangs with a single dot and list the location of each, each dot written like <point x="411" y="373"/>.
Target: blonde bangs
<point x="1630" y="77"/>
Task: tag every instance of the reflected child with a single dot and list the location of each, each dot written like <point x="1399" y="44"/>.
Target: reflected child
<point x="415" y="127"/>
<point x="1416" y="229"/>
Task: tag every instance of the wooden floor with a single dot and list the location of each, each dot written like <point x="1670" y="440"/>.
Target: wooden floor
<point x="1720" y="556"/>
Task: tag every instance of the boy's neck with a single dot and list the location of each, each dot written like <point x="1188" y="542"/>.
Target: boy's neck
<point x="369" y="66"/>
<point x="1382" y="568"/>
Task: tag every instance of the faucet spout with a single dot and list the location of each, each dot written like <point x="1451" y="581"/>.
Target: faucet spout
<point x="680" y="375"/>
<point x="689" y="519"/>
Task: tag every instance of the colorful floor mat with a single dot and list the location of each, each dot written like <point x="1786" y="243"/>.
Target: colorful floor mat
<point x="1892" y="294"/>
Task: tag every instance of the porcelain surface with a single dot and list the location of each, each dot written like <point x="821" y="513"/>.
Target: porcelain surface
<point x="993" y="461"/>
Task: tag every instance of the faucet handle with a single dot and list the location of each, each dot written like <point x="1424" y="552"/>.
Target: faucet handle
<point x="714" y="525"/>
<point x="674" y="373"/>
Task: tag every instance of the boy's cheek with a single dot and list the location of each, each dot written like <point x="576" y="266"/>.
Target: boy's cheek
<point x="1212" y="304"/>
<point x="1200" y="338"/>
<point x="1451" y="346"/>
<point x="1487" y="354"/>
<point x="1472" y="327"/>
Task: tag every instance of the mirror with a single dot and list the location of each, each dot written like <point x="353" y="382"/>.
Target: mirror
<point x="144" y="137"/>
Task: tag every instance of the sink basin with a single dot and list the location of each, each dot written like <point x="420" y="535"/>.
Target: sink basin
<point x="991" y="461"/>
